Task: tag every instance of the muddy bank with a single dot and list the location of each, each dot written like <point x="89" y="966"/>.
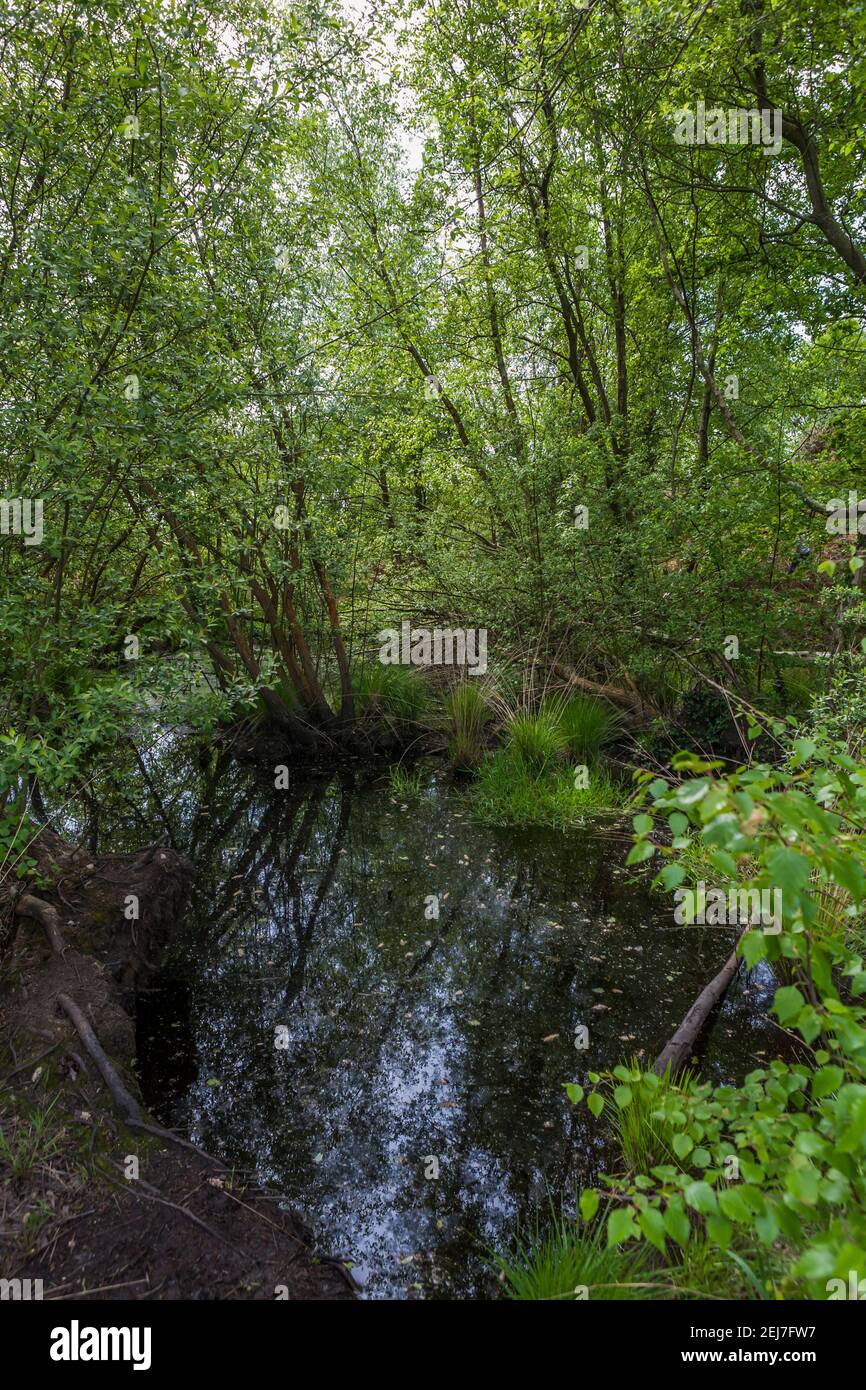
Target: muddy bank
<point x="95" y="1200"/>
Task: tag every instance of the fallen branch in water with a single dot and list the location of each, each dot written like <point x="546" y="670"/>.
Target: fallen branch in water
<point x="679" y="1048"/>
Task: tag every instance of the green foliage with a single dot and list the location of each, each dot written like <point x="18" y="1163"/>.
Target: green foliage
<point x="586" y="724"/>
<point x="783" y="1156"/>
<point x="534" y="741"/>
<point x="467" y="715"/>
<point x="638" y="1105"/>
<point x="400" y="692"/>
<point x="509" y="792"/>
<point x="406" y="782"/>
<point x="563" y="1261"/>
<point x="31" y="1140"/>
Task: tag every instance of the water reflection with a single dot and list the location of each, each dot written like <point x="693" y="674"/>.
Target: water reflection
<point x="323" y="1027"/>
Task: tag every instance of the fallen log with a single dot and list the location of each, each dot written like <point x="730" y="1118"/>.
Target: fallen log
<point x="628" y="700"/>
<point x="679" y="1048"/>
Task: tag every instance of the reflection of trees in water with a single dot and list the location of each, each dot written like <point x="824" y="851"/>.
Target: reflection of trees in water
<point x="282" y="877"/>
<point x="308" y="1099"/>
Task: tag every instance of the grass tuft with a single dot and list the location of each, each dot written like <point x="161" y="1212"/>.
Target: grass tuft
<point x="399" y="692"/>
<point x="508" y="792"/>
<point x="564" y="1259"/>
<point x="467" y="714"/>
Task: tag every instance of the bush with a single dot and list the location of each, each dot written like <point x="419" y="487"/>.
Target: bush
<point x="508" y="792"/>
<point x="782" y="1157"/>
<point x="564" y="1259"/>
<point x="399" y="692"/>
<point x="466" y="715"/>
<point x="586" y="724"/>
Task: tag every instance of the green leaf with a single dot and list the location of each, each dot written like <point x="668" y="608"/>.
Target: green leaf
<point x="787" y="1003"/>
<point x="651" y="1223"/>
<point x="701" y="1197"/>
<point x="719" y="1230"/>
<point x="733" y="1205"/>
<point x="620" y="1226"/>
<point x="671" y="876"/>
<point x="588" y="1203"/>
<point x="677" y="1225"/>
<point x="644" y="849"/>
<point x="826" y="1081"/>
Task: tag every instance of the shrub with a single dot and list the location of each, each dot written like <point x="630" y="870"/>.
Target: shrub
<point x="508" y="792"/>
<point x="586" y="724"/>
<point x="466" y="714"/>
<point x="781" y="1157"/>
<point x="563" y="1259"/>
<point x="400" y="692"/>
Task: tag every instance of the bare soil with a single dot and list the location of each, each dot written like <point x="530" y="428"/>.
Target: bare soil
<point x="72" y="1211"/>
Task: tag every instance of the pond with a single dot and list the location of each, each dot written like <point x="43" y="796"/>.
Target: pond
<point x="374" y="1005"/>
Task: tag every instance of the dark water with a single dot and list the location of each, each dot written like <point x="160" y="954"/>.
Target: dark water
<point x="398" y="1076"/>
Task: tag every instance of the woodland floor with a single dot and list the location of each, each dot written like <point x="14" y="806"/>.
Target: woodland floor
<point x="185" y="1229"/>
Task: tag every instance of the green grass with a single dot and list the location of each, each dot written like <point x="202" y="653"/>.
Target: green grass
<point x="466" y="713"/>
<point x="534" y="740"/>
<point x="23" y="1146"/>
<point x="642" y="1133"/>
<point x="406" y="782"/>
<point x="563" y="1258"/>
<point x="508" y="792"/>
<point x="584" y="723"/>
<point x="400" y="692"/>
